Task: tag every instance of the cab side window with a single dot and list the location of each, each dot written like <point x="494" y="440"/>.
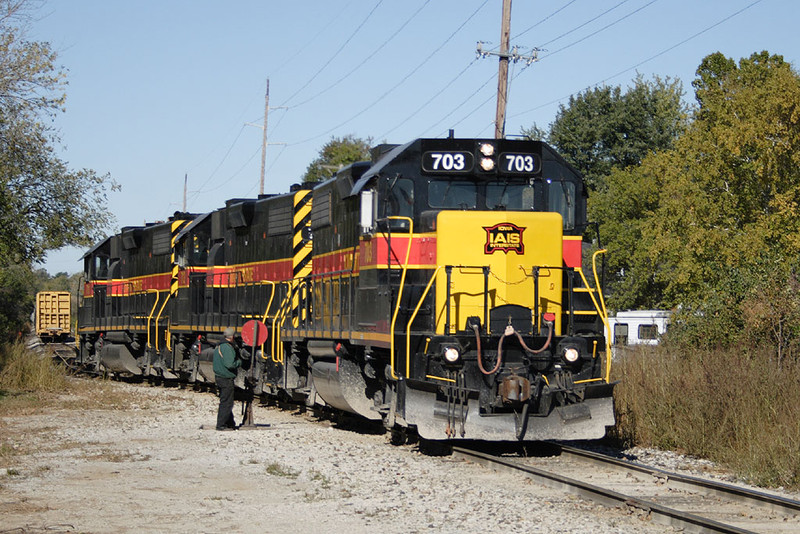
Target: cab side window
<point x="401" y="198"/>
<point x="561" y="198"/>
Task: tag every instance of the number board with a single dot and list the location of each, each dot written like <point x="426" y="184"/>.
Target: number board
<point x="445" y="161"/>
<point x="519" y="163"/>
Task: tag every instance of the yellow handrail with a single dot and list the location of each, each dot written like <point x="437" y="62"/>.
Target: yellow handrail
<point x="158" y="317"/>
<point x="149" y="317"/>
<point x="266" y="311"/>
<point x="601" y="308"/>
<point x="414" y="316"/>
<point x="271" y="297"/>
<point x="277" y="322"/>
<point x="400" y="291"/>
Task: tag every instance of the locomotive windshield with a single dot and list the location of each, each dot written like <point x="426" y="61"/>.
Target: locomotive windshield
<point x="509" y="196"/>
<point x="452" y="194"/>
<point x="499" y="195"/>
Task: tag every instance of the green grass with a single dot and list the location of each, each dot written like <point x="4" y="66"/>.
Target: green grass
<point x="738" y="408"/>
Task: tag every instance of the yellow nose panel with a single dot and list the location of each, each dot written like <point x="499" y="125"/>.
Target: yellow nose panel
<point x="511" y="244"/>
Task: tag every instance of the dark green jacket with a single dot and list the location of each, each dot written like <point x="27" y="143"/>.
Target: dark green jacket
<point x="225" y="360"/>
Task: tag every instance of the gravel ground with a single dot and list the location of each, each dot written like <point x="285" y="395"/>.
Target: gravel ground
<point x="149" y="467"/>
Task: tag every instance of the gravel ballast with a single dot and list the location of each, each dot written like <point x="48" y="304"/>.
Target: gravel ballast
<point x="149" y="467"/>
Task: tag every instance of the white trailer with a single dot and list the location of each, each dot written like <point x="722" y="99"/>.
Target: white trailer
<point x="638" y="327"/>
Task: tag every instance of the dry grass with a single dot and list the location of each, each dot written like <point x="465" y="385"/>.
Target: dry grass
<point x="736" y="408"/>
<point x="24" y="371"/>
<point x="30" y="382"/>
<point x="110" y="455"/>
<point x="279" y="470"/>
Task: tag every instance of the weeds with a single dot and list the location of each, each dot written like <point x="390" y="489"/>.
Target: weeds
<point x="7" y="451"/>
<point x="30" y="382"/>
<point x="107" y="455"/>
<point x="737" y="408"/>
<point x="24" y="371"/>
<point x="279" y="470"/>
<point x="316" y="476"/>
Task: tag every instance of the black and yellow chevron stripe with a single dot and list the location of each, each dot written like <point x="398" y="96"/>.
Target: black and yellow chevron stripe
<point x="301" y="246"/>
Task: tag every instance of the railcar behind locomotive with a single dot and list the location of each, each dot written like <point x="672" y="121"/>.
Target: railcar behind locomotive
<point x="439" y="287"/>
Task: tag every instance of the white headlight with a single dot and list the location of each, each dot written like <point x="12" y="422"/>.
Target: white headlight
<point x="487" y="164"/>
<point x="571" y="355"/>
<point x="451" y="354"/>
<point x="487" y="149"/>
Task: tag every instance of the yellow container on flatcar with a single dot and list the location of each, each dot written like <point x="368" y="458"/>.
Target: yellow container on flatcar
<point x="52" y="314"/>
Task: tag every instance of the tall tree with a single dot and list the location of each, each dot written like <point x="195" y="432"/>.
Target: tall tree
<point x="335" y="154"/>
<point x="722" y="206"/>
<point x="605" y="128"/>
<point x="44" y="205"/>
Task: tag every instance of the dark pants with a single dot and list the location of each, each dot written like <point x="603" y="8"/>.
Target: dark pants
<point x="225" y="412"/>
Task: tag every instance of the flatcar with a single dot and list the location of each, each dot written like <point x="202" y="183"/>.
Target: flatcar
<point x="444" y="287"/>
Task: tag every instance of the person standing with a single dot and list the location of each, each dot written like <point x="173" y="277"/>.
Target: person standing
<point x="225" y="365"/>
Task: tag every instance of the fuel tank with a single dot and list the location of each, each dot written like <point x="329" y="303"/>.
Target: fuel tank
<point x="341" y="385"/>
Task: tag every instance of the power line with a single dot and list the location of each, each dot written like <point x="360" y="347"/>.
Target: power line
<point x="661" y="53"/>
<point x="492" y="78"/>
<point x="361" y="63"/>
<point x="600" y="30"/>
<point x="293" y="57"/>
<point x="701" y="32"/>
<point x="398" y="84"/>
<point x="533" y="58"/>
<point x="335" y="54"/>
<point x="210" y="176"/>
<point x="576" y="28"/>
<point x="232" y="176"/>
<point x="274" y="161"/>
<point x="556" y="12"/>
<point x="431" y="99"/>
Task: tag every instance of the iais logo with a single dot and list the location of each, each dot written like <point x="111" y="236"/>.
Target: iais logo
<point x="504" y="237"/>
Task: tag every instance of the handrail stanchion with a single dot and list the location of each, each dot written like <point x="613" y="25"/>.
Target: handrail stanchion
<point x="400" y="289"/>
<point x="414" y="316"/>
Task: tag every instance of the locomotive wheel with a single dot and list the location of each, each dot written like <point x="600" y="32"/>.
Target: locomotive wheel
<point x="399" y="436"/>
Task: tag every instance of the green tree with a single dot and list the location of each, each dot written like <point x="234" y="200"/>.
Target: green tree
<point x="721" y="207"/>
<point x="605" y="128"/>
<point x="44" y="205"/>
<point x="335" y="154"/>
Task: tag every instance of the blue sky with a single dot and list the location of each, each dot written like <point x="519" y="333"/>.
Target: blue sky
<point x="163" y="88"/>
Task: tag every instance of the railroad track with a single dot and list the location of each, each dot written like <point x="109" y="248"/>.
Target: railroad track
<point x="688" y="504"/>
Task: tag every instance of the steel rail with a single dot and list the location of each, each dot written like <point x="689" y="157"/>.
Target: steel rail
<point x="687" y="482"/>
<point x="660" y="514"/>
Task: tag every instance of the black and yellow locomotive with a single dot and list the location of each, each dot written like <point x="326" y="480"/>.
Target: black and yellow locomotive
<point x="439" y="287"/>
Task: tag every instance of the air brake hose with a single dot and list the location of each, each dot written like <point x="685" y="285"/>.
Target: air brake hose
<point x="509" y="331"/>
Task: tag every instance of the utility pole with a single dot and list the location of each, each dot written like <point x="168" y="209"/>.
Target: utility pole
<point x="264" y="142"/>
<point x="264" y="139"/>
<point x="504" y="54"/>
<point x="502" y="75"/>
